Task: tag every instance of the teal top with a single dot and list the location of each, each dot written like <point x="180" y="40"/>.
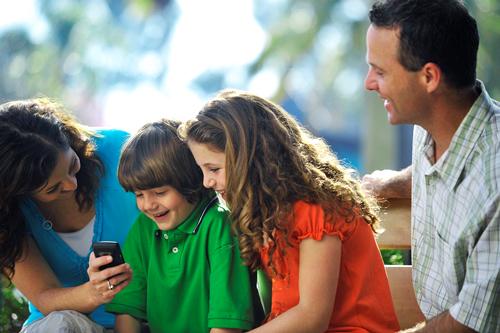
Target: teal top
<point x="188" y="279"/>
<point x="115" y="209"/>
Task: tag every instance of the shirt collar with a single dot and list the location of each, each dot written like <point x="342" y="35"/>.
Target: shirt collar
<point x="451" y="164"/>
<point x="192" y="223"/>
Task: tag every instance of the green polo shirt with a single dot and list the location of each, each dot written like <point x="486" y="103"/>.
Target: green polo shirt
<point x="189" y="279"/>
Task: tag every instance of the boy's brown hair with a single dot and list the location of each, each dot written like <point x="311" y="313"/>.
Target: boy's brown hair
<point x="155" y="156"/>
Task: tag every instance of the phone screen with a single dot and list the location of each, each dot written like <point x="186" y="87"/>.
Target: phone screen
<point x="105" y="248"/>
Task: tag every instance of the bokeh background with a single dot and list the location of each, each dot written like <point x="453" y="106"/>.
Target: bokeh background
<point x="122" y="63"/>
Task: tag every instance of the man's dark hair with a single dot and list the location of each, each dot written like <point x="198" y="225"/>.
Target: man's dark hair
<point x="437" y="31"/>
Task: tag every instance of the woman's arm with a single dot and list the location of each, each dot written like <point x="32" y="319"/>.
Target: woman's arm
<point x="318" y="278"/>
<point x="36" y="280"/>
<point x="127" y="324"/>
<point x="224" y="330"/>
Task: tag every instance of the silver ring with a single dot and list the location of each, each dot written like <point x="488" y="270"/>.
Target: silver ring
<point x="110" y="285"/>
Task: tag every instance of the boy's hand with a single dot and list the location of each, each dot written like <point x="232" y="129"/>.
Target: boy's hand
<point x="105" y="284"/>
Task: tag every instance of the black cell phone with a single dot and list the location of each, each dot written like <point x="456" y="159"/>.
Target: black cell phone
<point x="108" y="248"/>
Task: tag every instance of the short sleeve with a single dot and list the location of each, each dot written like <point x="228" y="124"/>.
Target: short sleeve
<point x="230" y="290"/>
<point x="310" y="222"/>
<point x="478" y="302"/>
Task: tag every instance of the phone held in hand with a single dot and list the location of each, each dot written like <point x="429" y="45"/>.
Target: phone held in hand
<point x="108" y="248"/>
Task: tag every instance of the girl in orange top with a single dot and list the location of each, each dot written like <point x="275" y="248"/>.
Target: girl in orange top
<point x="298" y="213"/>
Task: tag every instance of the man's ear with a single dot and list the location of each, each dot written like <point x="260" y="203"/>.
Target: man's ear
<point x="431" y="76"/>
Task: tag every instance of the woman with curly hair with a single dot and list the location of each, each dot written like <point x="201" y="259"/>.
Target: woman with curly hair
<point x="59" y="193"/>
<point x="299" y="215"/>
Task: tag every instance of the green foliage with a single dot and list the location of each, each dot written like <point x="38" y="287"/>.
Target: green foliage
<point x="393" y="257"/>
<point x="13" y="306"/>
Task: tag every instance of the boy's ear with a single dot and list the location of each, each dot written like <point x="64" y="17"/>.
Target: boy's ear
<point x="431" y="76"/>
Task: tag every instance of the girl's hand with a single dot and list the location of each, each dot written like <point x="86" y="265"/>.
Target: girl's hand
<point x="105" y="284"/>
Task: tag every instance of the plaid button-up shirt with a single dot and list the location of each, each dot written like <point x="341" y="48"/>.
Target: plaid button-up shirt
<point x="455" y="220"/>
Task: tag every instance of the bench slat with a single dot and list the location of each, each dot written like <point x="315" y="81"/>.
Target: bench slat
<point x="396" y="221"/>
<point x="403" y="296"/>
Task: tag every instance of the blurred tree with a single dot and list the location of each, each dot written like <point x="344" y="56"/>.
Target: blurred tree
<point x="317" y="50"/>
<point x="84" y="48"/>
<point x="14" y="308"/>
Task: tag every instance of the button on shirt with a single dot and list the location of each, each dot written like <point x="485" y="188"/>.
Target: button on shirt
<point x="188" y="279"/>
<point x="455" y="220"/>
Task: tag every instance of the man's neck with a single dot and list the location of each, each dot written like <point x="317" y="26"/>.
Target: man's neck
<point x="449" y="110"/>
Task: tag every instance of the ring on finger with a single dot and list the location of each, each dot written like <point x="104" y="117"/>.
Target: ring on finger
<point x="110" y="285"/>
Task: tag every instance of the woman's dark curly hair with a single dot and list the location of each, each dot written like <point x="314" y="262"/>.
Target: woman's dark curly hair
<point x="272" y="162"/>
<point x="32" y="134"/>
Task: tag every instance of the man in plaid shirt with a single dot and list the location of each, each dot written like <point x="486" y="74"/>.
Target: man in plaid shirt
<point x="422" y="63"/>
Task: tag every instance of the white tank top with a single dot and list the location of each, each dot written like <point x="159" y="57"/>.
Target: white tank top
<point x="81" y="240"/>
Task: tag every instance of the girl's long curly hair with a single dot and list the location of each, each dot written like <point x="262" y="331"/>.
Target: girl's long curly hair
<point x="32" y="134"/>
<point x="272" y="162"/>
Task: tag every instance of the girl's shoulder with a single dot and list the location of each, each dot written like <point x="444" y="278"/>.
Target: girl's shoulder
<point x="311" y="220"/>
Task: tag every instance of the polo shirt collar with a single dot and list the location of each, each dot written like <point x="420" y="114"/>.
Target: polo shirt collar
<point x="192" y="223"/>
<point x="451" y="165"/>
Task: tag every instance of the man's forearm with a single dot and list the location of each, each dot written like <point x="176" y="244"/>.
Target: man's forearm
<point x="406" y="175"/>
<point x="401" y="184"/>
<point x="388" y="184"/>
<point x="442" y="323"/>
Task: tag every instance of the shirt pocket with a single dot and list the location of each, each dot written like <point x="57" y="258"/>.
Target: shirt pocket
<point x="447" y="269"/>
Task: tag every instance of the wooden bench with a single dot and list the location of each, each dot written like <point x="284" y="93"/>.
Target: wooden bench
<point x="396" y="222"/>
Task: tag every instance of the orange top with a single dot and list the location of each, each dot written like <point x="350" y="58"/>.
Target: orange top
<point x="363" y="301"/>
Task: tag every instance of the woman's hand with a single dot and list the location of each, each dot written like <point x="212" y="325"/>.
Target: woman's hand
<point x="36" y="280"/>
<point x="107" y="283"/>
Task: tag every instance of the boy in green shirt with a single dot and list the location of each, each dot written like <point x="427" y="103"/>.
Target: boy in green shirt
<point x="188" y="275"/>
